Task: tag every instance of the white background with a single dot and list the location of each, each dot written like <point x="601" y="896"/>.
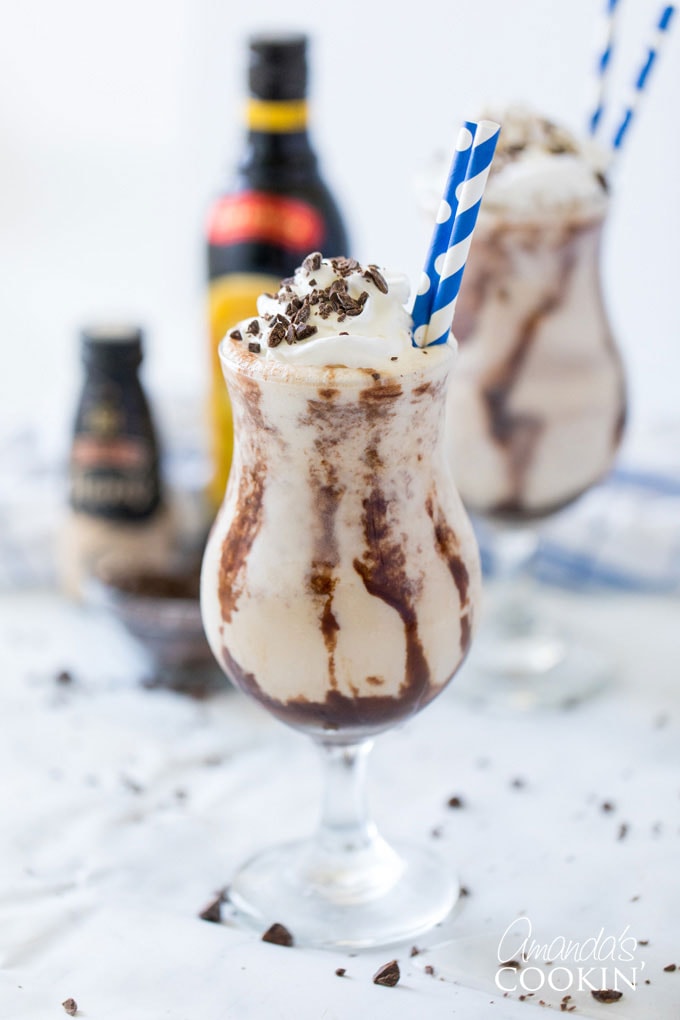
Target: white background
<point x="119" y="121"/>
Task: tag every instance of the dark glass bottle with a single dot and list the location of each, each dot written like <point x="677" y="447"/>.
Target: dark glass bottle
<point x="114" y="457"/>
<point x="277" y="211"/>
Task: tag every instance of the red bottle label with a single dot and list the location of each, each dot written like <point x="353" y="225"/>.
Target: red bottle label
<point x="258" y="216"/>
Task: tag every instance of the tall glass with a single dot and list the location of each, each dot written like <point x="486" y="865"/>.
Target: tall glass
<point x="338" y="590"/>
<point x="537" y="409"/>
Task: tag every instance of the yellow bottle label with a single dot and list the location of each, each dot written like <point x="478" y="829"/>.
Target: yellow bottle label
<point x="276" y="117"/>
<point x="230" y="299"/>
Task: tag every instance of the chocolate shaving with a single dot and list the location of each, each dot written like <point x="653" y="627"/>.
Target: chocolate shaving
<point x="313" y="262"/>
<point x="340" y="971"/>
<point x="345" y="266"/>
<point x="70" y="1006"/>
<point x="375" y="276"/>
<point x="254" y="347"/>
<point x="236" y="334"/>
<point x="302" y="313"/>
<point x="387" y="975"/>
<point x="278" y="935"/>
<point x="304" y="331"/>
<point x="455" y="802"/>
<point x="253" y="328"/>
<point x="277" y="335"/>
<point x="605" y="995"/>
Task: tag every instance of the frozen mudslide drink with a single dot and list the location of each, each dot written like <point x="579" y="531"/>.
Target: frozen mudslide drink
<point x="341" y="578"/>
<point x="537" y="406"/>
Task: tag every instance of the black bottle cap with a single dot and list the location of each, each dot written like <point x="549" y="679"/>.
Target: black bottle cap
<point x="278" y="66"/>
<point x="112" y="345"/>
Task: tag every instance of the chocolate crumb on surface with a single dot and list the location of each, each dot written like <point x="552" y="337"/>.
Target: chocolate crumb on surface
<point x="670" y="967"/>
<point x="643" y="942"/>
<point x="387" y="975"/>
<point x="607" y="806"/>
<point x="455" y="802"/>
<point x="518" y="783"/>
<point x="463" y="891"/>
<point x="605" y="994"/>
<point x="415" y="951"/>
<point x="64" y="677"/>
<point x="213" y="911"/>
<point x="515" y="964"/>
<point x="278" y="935"/>
<point x="70" y="1006"/>
<point x="429" y="969"/>
<point x="623" y="831"/>
<point x="340" y="971"/>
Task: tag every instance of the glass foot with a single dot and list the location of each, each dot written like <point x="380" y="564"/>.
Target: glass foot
<point x="526" y="673"/>
<point x="356" y="900"/>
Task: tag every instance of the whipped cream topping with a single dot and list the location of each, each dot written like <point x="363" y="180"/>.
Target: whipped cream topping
<point x="332" y="312"/>
<point x="540" y="166"/>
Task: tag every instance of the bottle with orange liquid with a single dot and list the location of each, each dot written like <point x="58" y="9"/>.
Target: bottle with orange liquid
<point x="277" y="211"/>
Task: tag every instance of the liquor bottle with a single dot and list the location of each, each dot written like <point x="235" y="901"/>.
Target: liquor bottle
<point x="116" y="500"/>
<point x="277" y="211"/>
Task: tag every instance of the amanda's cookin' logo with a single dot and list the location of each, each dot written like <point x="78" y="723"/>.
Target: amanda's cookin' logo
<point x="601" y="961"/>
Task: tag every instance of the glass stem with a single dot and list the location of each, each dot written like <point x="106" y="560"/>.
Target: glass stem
<point x="345" y="825"/>
<point x="511" y="607"/>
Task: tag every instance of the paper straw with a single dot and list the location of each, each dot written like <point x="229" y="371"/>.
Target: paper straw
<point x="452" y="265"/>
<point x="429" y="280"/>
<point x="604" y="62"/>
<point x="662" y="27"/>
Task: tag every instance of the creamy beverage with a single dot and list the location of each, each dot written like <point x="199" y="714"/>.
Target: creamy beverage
<point x="341" y="575"/>
<point x="537" y="401"/>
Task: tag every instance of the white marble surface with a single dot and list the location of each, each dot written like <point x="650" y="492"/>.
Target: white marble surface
<point x="123" y="810"/>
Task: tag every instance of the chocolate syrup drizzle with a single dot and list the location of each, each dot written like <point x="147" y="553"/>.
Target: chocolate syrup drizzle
<point x="448" y="547"/>
<point x="381" y="567"/>
<point x="247" y="519"/>
<point x="519" y="433"/>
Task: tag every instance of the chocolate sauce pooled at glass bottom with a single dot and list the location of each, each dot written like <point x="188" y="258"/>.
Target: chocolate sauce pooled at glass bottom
<point x="340" y="576"/>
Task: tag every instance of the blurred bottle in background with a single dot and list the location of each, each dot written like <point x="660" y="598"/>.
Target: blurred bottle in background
<point x="277" y="211"/>
<point x="117" y="503"/>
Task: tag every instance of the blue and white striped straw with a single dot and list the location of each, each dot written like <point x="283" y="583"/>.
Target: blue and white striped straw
<point x="469" y="194"/>
<point x="604" y="61"/>
<point x="446" y="215"/>
<point x="662" y="27"/>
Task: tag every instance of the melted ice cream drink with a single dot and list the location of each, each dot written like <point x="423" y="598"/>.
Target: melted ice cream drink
<point x="537" y="403"/>
<point x="340" y="579"/>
